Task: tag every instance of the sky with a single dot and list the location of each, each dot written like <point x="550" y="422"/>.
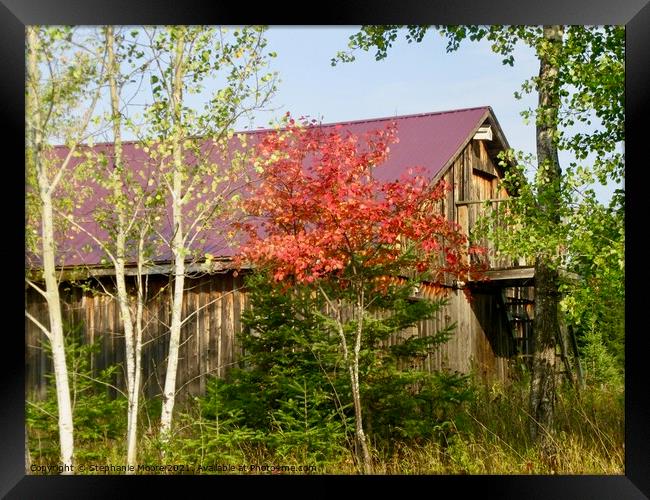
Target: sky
<point x="414" y="78"/>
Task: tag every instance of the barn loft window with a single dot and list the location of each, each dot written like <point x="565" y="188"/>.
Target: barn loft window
<point x="484" y="133"/>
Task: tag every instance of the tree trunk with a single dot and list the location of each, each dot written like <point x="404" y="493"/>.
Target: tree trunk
<point x="363" y="455"/>
<point x="362" y="446"/>
<point x="120" y="253"/>
<point x="546" y="326"/>
<point x="141" y="297"/>
<point x="57" y="341"/>
<point x="64" y="405"/>
<point x="542" y="390"/>
<point x="178" y="242"/>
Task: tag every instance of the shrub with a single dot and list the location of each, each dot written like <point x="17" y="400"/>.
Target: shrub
<point x="291" y="394"/>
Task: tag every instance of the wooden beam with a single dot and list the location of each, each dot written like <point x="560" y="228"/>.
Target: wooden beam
<point x="484" y="133"/>
<point x="487" y="200"/>
<point x="510" y="273"/>
<point x="164" y="269"/>
<point x="514" y="274"/>
<point x="484" y="170"/>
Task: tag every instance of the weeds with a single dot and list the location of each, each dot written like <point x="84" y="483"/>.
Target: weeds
<point x="588" y="438"/>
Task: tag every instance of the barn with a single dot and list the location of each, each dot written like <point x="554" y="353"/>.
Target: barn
<point x="493" y="330"/>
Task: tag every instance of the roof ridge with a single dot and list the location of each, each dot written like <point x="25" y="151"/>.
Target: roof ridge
<point x="396" y="117"/>
<point x="345" y="122"/>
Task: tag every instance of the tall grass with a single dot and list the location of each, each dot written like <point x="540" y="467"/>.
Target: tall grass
<point x="587" y="436"/>
<point x="489" y="436"/>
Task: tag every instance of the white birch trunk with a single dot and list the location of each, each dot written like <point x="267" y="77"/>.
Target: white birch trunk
<point x="57" y="341"/>
<point x="66" y="428"/>
<point x="178" y="250"/>
<point x="132" y="438"/>
<point x="132" y="385"/>
<point x="364" y="454"/>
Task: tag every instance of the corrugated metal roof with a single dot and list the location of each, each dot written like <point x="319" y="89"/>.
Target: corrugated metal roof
<point x="427" y="140"/>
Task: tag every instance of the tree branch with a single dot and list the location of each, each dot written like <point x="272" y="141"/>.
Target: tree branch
<point x="37" y="288"/>
<point x="39" y="325"/>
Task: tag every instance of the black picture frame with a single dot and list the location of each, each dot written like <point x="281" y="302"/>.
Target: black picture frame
<point x="635" y="14"/>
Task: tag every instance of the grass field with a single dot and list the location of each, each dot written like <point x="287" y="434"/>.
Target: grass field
<point x="490" y="437"/>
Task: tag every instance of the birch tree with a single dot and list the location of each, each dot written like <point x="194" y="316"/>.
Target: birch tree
<point x="132" y="343"/>
<point x="120" y="217"/>
<point x="193" y="148"/>
<point x="125" y="219"/>
<point x="59" y="88"/>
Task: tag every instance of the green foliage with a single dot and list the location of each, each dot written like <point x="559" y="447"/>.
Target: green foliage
<point x="598" y="359"/>
<point x="307" y="424"/>
<point x="210" y="433"/>
<point x="595" y="306"/>
<point x="412" y="405"/>
<point x="488" y="435"/>
<point x="588" y="439"/>
<point x="98" y="415"/>
<point x="286" y="392"/>
<point x="292" y="395"/>
<point x="401" y="399"/>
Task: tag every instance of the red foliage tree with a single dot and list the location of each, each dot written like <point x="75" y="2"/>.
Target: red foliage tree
<point x="322" y="212"/>
<point x="323" y="218"/>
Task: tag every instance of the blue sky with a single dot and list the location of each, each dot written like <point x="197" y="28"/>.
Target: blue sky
<point x="414" y="78"/>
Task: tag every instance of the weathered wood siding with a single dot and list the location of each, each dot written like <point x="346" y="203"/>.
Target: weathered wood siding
<point x="476" y="180"/>
<point x="212" y="308"/>
<point x="209" y="337"/>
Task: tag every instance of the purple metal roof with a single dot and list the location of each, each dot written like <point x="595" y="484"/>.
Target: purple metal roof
<point x="428" y="140"/>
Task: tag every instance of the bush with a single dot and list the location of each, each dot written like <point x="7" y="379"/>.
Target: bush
<point x="291" y="394"/>
<point x="600" y="364"/>
<point x="285" y="391"/>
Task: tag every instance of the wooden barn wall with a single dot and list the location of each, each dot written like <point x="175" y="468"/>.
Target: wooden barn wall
<point x="480" y="342"/>
<point x="475" y="179"/>
<point x="209" y="338"/>
<point x="209" y="343"/>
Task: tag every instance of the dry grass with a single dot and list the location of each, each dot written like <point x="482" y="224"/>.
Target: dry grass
<point x="490" y="438"/>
